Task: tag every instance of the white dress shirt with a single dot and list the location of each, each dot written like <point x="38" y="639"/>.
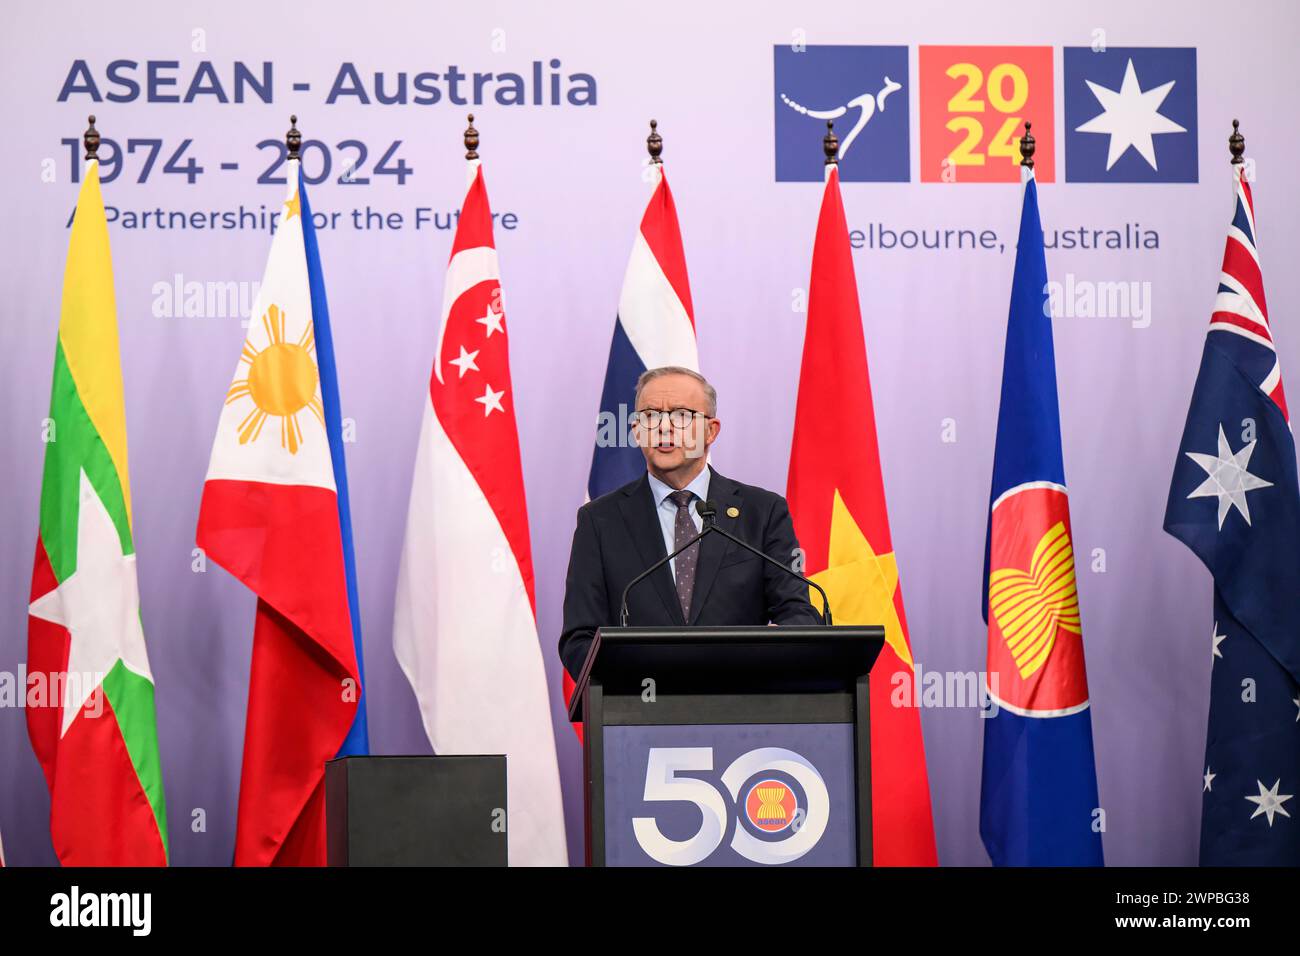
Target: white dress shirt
<point x="667" y="510"/>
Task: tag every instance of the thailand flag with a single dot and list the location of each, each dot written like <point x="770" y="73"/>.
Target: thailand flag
<point x="1038" y="803"/>
<point x="655" y="326"/>
<point x="275" y="515"/>
<point x="465" y="625"/>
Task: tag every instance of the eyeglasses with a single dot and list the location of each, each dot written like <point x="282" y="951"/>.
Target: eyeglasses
<point x="677" y="417"/>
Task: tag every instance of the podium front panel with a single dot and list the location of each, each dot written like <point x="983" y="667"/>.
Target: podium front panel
<point x="729" y="794"/>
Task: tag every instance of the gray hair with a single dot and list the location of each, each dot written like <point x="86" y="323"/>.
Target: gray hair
<point x="648" y="376"/>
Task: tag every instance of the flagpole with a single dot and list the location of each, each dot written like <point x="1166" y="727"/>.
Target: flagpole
<point x="293" y="139"/>
<point x="90" y="139"/>
<point x="1027" y="147"/>
<point x="831" y="145"/>
<point x="471" y="140"/>
<point x="1236" y="143"/>
<point x="654" y="144"/>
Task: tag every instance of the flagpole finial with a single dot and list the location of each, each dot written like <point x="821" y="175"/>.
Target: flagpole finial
<point x="831" y="144"/>
<point x="1236" y="143"/>
<point x="91" y="139"/>
<point x="1027" y="147"/>
<point x="471" y="139"/>
<point x="654" y="143"/>
<point x="293" y="139"/>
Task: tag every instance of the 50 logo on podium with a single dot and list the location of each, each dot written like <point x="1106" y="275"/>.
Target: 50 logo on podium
<point x="777" y="797"/>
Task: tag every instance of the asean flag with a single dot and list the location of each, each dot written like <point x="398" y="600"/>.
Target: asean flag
<point x="837" y="499"/>
<point x="465" y="627"/>
<point x="270" y="516"/>
<point x="1038" y="798"/>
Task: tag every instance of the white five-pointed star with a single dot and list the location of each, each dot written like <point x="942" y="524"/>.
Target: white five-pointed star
<point x="1217" y="639"/>
<point x="1296" y="701"/>
<point x="1131" y="117"/>
<point x="1209" y="779"/>
<point x="492" y="321"/>
<point x="99" y="604"/>
<point x="1229" y="480"/>
<point x="1269" y="801"/>
<point x="466" y="361"/>
<point x="491" y="400"/>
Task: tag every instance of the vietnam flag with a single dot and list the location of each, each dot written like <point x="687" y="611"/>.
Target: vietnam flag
<point x="94" y="728"/>
<point x="273" y="516"/>
<point x="837" y="499"/>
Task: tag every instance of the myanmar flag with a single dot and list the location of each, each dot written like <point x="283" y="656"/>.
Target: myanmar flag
<point x="837" y="499"/>
<point x="90" y="712"/>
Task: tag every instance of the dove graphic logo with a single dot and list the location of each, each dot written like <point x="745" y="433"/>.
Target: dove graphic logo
<point x="1130" y="115"/>
<point x="855" y="87"/>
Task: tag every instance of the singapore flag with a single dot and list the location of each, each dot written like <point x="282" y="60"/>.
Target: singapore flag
<point x="465" y="629"/>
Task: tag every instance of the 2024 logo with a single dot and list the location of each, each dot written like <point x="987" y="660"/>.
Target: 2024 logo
<point x="778" y="798"/>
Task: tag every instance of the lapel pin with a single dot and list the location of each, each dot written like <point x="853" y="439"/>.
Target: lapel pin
<point x="733" y="512"/>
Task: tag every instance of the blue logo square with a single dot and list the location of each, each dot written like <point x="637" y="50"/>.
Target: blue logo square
<point x="1130" y="115"/>
<point x="865" y="90"/>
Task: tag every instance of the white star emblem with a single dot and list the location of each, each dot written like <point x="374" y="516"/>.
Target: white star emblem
<point x="492" y="321"/>
<point x="99" y="604"/>
<point x="1209" y="779"/>
<point x="1269" y="801"/>
<point x="1229" y="480"/>
<point x="1130" y="116"/>
<point x="466" y="361"/>
<point x="491" y="400"/>
<point x="1217" y="639"/>
<point x="1296" y="701"/>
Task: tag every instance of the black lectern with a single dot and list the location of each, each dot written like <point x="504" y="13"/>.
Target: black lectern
<point x="727" y="746"/>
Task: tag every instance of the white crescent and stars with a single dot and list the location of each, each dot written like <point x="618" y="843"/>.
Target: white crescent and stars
<point x="467" y="361"/>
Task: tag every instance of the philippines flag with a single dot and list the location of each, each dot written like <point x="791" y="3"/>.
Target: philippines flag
<point x="275" y="515"/>
<point x="465" y="625"/>
<point x="654" y="327"/>
<point x="1235" y="502"/>
<point x="1038" y="803"/>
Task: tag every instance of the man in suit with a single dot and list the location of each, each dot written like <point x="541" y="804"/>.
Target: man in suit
<point x="622" y="533"/>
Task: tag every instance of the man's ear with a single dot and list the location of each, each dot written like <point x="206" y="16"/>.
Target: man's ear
<point x="711" y="435"/>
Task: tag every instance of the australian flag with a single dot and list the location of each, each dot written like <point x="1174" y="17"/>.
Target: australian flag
<point x="1234" y="501"/>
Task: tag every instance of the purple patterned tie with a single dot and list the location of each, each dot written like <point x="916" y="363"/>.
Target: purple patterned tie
<point x="684" y="563"/>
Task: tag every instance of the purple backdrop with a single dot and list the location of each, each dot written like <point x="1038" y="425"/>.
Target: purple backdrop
<point x="572" y="177"/>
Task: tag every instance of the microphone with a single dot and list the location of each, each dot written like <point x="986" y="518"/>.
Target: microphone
<point x="708" y="511"/>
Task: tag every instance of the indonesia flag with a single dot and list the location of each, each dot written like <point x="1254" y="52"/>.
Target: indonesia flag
<point x="837" y="500"/>
<point x="271" y="515"/>
<point x="655" y="326"/>
<point x="465" y="627"/>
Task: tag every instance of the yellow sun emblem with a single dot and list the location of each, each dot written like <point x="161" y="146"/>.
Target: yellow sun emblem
<point x="281" y="381"/>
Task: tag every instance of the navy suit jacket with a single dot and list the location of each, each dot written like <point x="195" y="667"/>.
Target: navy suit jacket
<point x="619" y="536"/>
